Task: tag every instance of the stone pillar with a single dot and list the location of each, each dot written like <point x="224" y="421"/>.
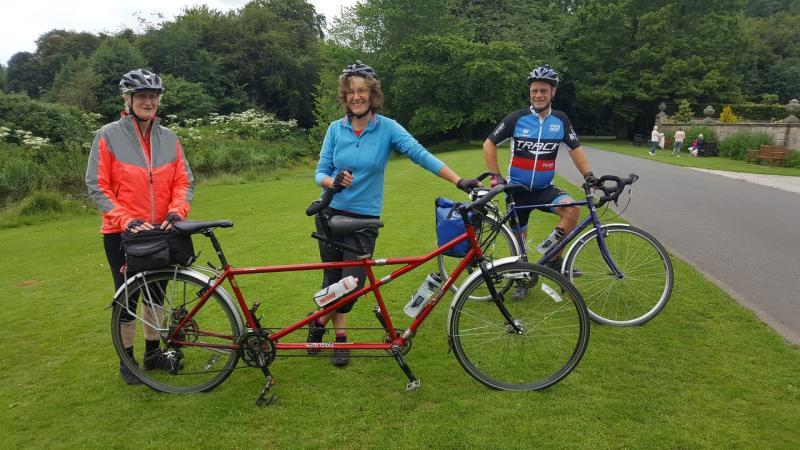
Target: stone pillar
<point x="661" y="117"/>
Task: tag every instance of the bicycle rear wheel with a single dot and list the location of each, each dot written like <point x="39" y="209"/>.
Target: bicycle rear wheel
<point x="497" y="241"/>
<point x="553" y="322"/>
<point x="646" y="282"/>
<point x="158" y="302"/>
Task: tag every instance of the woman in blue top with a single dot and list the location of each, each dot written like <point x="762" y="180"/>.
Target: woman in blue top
<point x="354" y="155"/>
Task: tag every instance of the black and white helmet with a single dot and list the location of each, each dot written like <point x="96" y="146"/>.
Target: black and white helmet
<point x="544" y="73"/>
<point x="359" y="69"/>
<point x="140" y="80"/>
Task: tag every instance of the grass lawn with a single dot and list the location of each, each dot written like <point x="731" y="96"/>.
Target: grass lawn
<point x="665" y="156"/>
<point x="706" y="373"/>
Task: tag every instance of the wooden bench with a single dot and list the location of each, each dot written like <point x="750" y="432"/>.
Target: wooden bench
<point x="638" y="139"/>
<point x="709" y="149"/>
<point x="773" y="154"/>
<point x="668" y="141"/>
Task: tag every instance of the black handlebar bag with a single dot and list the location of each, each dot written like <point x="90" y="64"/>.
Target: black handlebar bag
<point x="156" y="249"/>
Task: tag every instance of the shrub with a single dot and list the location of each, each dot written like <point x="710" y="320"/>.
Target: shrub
<point x="685" y="113"/>
<point x="727" y="115"/>
<point x="59" y="124"/>
<point x="693" y="132"/>
<point x="42" y="203"/>
<point x="736" y="145"/>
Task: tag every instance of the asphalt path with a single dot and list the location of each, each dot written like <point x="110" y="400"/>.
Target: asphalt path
<point x="745" y="237"/>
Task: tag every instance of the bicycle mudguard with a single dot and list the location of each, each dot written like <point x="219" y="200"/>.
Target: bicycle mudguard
<point x="478" y="274"/>
<point x="226" y="297"/>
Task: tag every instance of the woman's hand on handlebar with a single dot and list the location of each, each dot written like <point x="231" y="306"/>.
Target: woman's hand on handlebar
<point x="342" y="180"/>
<point x="467" y="184"/>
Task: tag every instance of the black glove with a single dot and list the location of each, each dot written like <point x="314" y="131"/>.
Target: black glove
<point x="498" y="179"/>
<point x="134" y="223"/>
<point x="173" y="217"/>
<point x="467" y="184"/>
<point x="337" y="180"/>
<point x="590" y="179"/>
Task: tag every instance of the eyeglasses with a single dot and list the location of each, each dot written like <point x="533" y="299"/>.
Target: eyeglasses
<point x="360" y="92"/>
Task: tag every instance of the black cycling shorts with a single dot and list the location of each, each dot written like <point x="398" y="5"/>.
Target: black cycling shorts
<point x="543" y="196"/>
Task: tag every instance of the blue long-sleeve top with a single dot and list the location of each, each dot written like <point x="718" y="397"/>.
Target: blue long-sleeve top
<point x="366" y="157"/>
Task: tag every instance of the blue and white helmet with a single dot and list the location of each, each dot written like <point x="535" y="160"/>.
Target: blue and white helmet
<point x="544" y="73"/>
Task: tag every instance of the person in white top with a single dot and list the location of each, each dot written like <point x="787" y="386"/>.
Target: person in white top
<point x="655" y="136"/>
<point x="679" y="137"/>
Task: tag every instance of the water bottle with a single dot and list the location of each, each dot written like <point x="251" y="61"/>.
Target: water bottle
<point x="420" y="298"/>
<point x="335" y="291"/>
<point x="550" y="240"/>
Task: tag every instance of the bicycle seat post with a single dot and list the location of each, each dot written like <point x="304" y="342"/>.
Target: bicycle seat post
<point x="209" y="233"/>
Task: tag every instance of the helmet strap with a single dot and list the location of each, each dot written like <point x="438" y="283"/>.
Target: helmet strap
<point x="351" y="114"/>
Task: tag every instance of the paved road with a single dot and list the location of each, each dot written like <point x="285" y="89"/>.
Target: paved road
<point x="742" y="235"/>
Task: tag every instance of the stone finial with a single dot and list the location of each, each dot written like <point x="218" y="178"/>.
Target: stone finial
<point x="708" y="111"/>
<point x="662" y="107"/>
<point x="793" y="107"/>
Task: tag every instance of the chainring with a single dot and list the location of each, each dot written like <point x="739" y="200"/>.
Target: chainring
<point x="256" y="349"/>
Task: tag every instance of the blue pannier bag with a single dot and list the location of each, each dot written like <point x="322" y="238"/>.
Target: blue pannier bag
<point x="449" y="226"/>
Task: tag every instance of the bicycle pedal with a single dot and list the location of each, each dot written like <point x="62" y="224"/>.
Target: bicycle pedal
<point x="412" y="386"/>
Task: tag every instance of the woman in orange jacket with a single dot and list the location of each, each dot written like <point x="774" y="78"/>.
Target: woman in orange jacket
<point x="140" y="180"/>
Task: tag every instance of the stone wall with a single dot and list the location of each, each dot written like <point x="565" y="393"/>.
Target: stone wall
<point x="786" y="134"/>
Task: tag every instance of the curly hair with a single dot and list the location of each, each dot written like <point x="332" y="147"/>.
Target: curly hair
<point x="375" y="91"/>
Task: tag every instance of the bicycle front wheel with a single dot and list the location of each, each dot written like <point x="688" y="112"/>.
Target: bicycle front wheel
<point x="548" y="338"/>
<point x="155" y="304"/>
<point x="644" y="286"/>
<point x="496" y="240"/>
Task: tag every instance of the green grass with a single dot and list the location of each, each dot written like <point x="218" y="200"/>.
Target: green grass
<point x="665" y="156"/>
<point x="706" y="373"/>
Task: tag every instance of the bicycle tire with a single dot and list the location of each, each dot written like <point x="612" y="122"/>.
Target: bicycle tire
<point x="504" y="244"/>
<point x="216" y="322"/>
<point x="647" y="282"/>
<point x="555" y="329"/>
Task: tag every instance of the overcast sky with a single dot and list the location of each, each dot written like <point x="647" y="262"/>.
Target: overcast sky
<point x="23" y="21"/>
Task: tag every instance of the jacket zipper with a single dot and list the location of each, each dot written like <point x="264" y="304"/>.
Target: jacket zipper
<point x="149" y="161"/>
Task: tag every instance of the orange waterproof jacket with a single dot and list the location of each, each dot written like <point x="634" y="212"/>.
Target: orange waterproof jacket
<point x="127" y="183"/>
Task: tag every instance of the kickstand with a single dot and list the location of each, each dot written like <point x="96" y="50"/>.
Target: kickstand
<point x="413" y="384"/>
<point x="266" y="398"/>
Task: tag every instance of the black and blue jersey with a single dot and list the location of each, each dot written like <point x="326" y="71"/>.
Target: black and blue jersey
<point x="534" y="145"/>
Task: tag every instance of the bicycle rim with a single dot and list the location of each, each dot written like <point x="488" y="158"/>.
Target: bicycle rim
<point x="187" y="368"/>
<point x="646" y="282"/>
<point x="495" y="246"/>
<point x="554" y="330"/>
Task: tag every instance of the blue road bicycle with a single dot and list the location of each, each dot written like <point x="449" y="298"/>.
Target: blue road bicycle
<point x="624" y="274"/>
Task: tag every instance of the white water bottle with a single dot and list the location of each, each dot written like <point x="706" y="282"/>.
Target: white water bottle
<point x="423" y="294"/>
<point x="550" y="240"/>
<point x="335" y="291"/>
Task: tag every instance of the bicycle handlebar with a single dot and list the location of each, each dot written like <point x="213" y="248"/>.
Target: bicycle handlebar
<point x="321" y="203"/>
<point x="610" y="193"/>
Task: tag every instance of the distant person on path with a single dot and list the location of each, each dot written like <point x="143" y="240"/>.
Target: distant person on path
<point x="354" y="155"/>
<point x="655" y="138"/>
<point x="679" y="137"/>
<point x="536" y="134"/>
<point x="139" y="178"/>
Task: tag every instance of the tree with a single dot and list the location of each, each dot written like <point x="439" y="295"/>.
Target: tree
<point x="185" y="99"/>
<point x="76" y="84"/>
<point x="684" y="113"/>
<point x="2" y="78"/>
<point x="115" y="57"/>
<point x="632" y="54"/>
<point x="447" y="86"/>
<point x="24" y="74"/>
<point x="56" y="47"/>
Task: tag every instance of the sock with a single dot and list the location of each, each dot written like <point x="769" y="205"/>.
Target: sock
<point x="341" y="337"/>
<point x="150" y="346"/>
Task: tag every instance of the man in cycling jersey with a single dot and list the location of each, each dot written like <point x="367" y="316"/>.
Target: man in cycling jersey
<point x="536" y="134"/>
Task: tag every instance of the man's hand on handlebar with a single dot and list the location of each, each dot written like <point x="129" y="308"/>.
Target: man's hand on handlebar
<point x="590" y="179"/>
<point x="498" y="179"/>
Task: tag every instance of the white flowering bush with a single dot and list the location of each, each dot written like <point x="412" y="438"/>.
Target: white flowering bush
<point x="252" y="124"/>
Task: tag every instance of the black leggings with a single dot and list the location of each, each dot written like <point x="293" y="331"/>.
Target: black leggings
<point x="364" y="240"/>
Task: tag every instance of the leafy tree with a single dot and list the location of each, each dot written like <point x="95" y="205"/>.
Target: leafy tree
<point x="76" y="84"/>
<point x="56" y="47"/>
<point x="185" y="99"/>
<point x="2" y="77"/>
<point x="632" y="54"/>
<point x="776" y="48"/>
<point x="447" y="86"/>
<point x="113" y="58"/>
<point x="24" y="74"/>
